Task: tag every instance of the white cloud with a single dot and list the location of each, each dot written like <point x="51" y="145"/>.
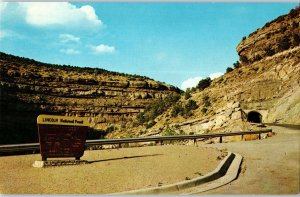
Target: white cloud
<point x="70" y="51"/>
<point x="102" y="49"/>
<point x="191" y="82"/>
<point x="43" y="14"/>
<point x="3" y="34"/>
<point x="215" y="75"/>
<point x="2" y="6"/>
<point x="64" y="38"/>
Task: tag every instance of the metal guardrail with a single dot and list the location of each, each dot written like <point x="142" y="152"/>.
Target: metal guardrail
<point x="36" y="146"/>
<point x="291" y="126"/>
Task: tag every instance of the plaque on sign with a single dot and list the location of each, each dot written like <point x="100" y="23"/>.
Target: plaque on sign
<point x="62" y="136"/>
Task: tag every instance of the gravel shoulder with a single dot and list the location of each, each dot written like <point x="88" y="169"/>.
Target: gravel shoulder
<point x="270" y="166"/>
<point x="113" y="170"/>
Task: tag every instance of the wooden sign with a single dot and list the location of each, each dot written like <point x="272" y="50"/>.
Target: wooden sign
<point x="62" y="136"/>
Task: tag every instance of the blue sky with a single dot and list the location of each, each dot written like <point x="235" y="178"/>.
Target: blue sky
<point x="176" y="43"/>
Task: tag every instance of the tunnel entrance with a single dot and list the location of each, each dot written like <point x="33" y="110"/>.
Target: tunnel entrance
<point x="254" y="117"/>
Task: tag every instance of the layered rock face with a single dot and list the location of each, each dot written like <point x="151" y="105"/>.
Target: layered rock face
<point x="265" y="84"/>
<point x="273" y="53"/>
<point x="276" y="36"/>
<point x="29" y="88"/>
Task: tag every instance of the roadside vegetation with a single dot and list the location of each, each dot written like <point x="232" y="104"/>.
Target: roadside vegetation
<point x="147" y="117"/>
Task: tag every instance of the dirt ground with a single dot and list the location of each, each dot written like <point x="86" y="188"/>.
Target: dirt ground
<point x="110" y="171"/>
<point x="270" y="166"/>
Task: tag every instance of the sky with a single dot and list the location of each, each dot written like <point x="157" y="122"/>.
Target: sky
<point x="176" y="43"/>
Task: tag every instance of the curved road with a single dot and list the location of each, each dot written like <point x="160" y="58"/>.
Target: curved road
<point x="270" y="166"/>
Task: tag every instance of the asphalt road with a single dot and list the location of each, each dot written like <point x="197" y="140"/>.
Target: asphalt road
<point x="270" y="166"/>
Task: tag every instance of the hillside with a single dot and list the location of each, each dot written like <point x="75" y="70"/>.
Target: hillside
<point x="264" y="86"/>
<point x="29" y="88"/>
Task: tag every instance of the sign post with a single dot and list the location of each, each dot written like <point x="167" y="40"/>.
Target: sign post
<point x="62" y="136"/>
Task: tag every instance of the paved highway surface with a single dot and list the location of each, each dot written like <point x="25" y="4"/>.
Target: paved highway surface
<point x="270" y="166"/>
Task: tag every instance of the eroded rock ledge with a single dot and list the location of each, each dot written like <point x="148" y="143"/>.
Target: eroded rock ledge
<point x="29" y="88"/>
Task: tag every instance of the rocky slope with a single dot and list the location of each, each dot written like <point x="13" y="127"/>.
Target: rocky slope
<point x="276" y="36"/>
<point x="29" y="88"/>
<point x="264" y="87"/>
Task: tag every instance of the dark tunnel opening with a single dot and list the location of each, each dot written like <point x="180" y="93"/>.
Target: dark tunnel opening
<point x="254" y="117"/>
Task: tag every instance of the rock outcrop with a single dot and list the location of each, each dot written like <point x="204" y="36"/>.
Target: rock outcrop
<point x="265" y="85"/>
<point x="276" y="36"/>
<point x="29" y="88"/>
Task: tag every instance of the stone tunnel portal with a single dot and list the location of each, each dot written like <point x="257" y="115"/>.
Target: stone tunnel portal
<point x="254" y="117"/>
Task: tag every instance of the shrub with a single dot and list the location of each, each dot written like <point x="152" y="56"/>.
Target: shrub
<point x="110" y="129"/>
<point x="191" y="105"/>
<point x="296" y="38"/>
<point x="150" y="124"/>
<point x="204" y="83"/>
<point x="229" y="69"/>
<point x="257" y="58"/>
<point x="244" y="59"/>
<point x="177" y="109"/>
<point x="284" y="43"/>
<point x="169" y="131"/>
<point x="283" y="29"/>
<point x="155" y="109"/>
<point x="293" y="13"/>
<point x="187" y="94"/>
<point x="269" y="51"/>
<point x="237" y="64"/>
<point x="295" y="25"/>
<point x="204" y="110"/>
<point x="206" y="103"/>
<point x="205" y="100"/>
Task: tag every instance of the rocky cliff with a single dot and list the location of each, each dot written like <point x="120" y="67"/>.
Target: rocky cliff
<point x="263" y="87"/>
<point x="29" y="88"/>
<point x="276" y="36"/>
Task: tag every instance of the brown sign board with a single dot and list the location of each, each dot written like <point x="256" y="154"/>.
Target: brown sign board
<point x="62" y="136"/>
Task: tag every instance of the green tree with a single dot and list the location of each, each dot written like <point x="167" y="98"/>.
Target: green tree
<point x="237" y="64"/>
<point x="191" y="105"/>
<point x="229" y="69"/>
<point x="204" y="83"/>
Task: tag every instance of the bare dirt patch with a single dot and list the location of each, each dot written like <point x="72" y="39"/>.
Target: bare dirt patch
<point x="110" y="171"/>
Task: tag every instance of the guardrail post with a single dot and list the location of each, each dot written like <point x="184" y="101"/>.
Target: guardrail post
<point x="220" y="139"/>
<point x="242" y="137"/>
<point x="259" y="136"/>
<point x="161" y="142"/>
<point x="195" y="141"/>
<point x="120" y="145"/>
